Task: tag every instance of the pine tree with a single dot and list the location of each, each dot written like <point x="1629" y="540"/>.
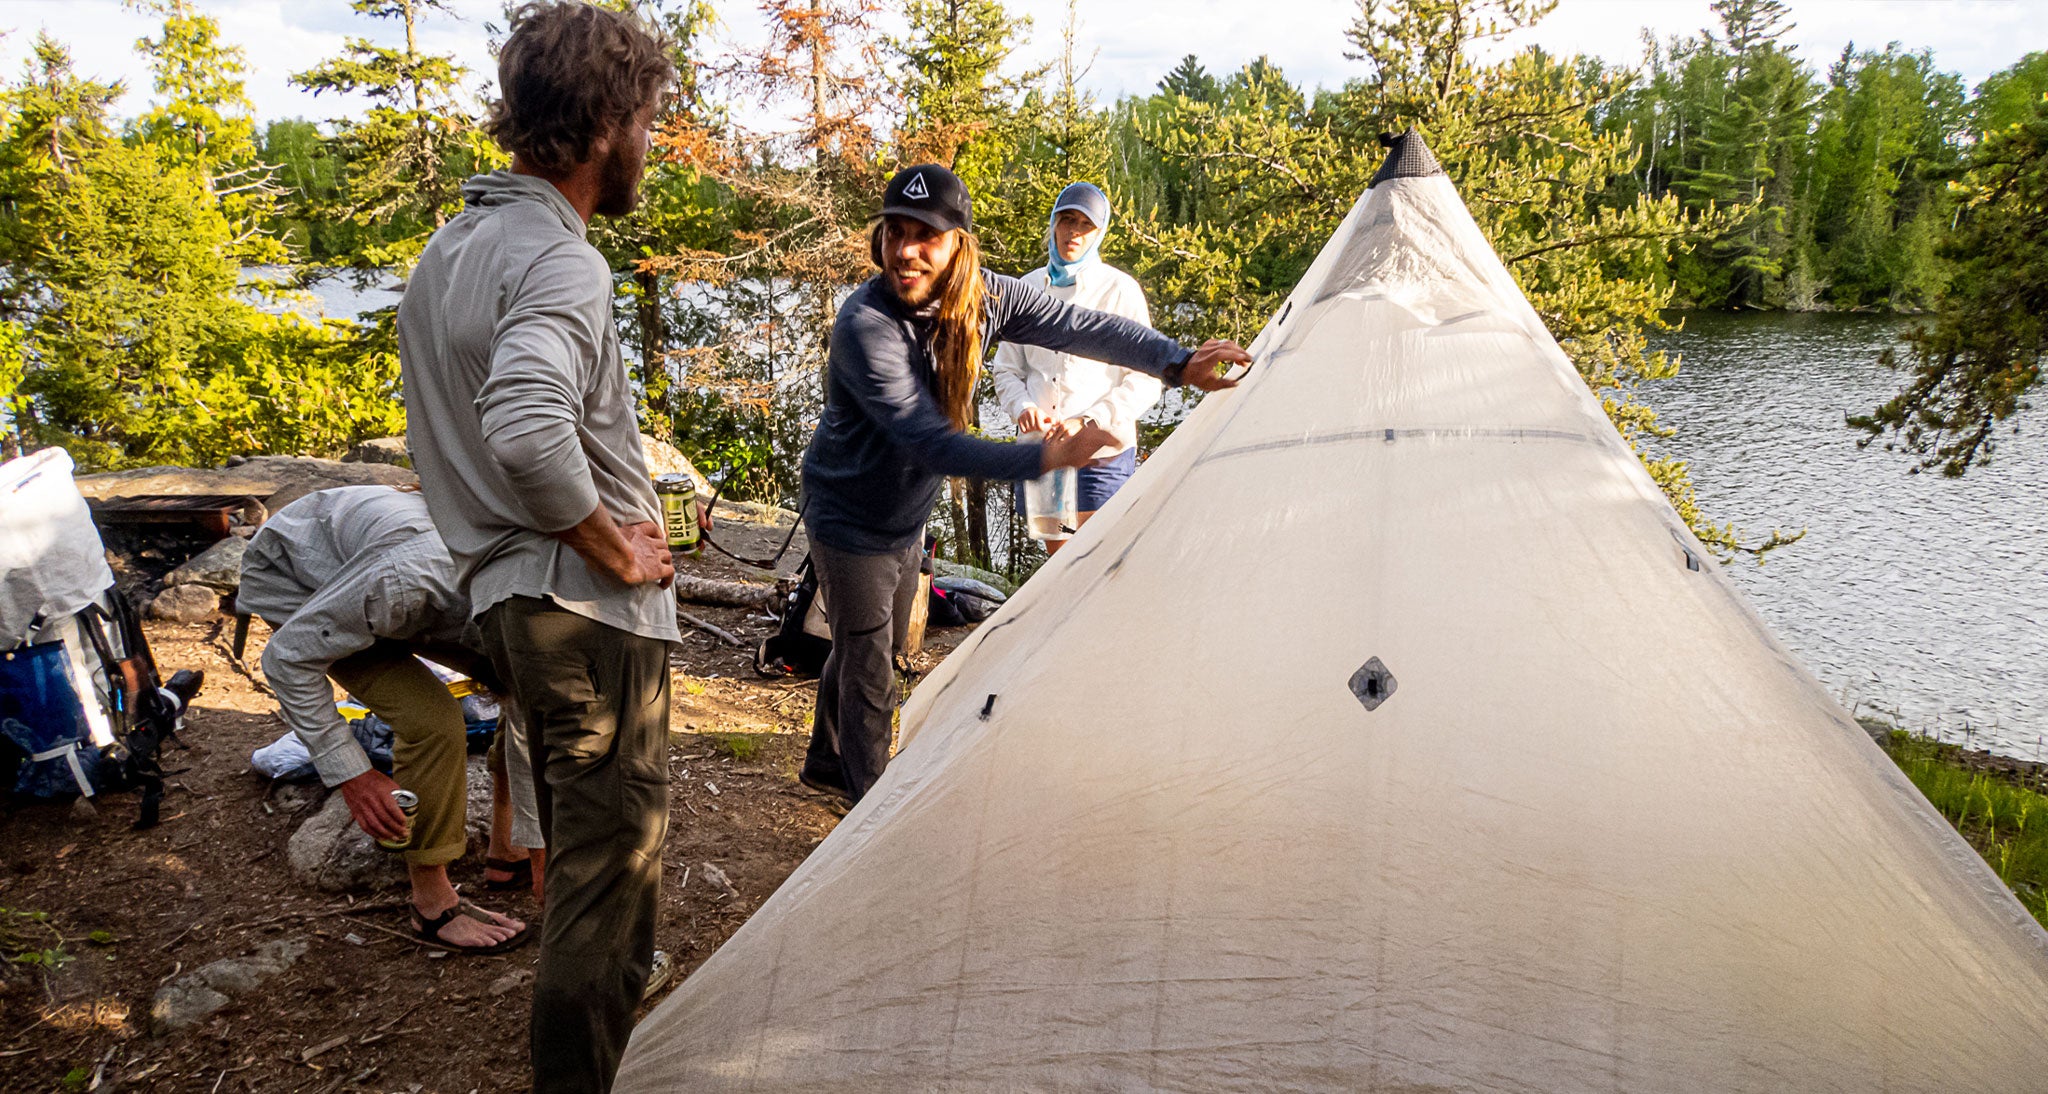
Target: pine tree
<point x="407" y="155"/>
<point x="1972" y="369"/>
<point x="203" y="120"/>
<point x="788" y="235"/>
<point x="1747" y="147"/>
<point x="1190" y="80"/>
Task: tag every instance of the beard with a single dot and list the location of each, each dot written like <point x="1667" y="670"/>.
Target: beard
<point x="618" y="182"/>
<point x="918" y="297"/>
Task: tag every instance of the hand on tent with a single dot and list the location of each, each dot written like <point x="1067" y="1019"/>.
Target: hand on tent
<point x="1202" y="371"/>
<point x="369" y="801"/>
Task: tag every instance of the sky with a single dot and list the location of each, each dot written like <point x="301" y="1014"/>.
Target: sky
<point x="1129" y="44"/>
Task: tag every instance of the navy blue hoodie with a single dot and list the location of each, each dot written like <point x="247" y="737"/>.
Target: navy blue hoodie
<point x="884" y="446"/>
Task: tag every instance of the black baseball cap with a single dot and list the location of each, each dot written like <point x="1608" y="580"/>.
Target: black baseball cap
<point x="931" y="194"/>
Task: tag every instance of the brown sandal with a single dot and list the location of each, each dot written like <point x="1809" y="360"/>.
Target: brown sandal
<point x="429" y="930"/>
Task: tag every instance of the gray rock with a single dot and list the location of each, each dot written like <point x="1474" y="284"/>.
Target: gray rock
<point x="193" y="997"/>
<point x="664" y="459"/>
<point x="329" y="852"/>
<point x="182" y="1005"/>
<point x="385" y="450"/>
<point x="948" y="568"/>
<point x="478" y="823"/>
<point x="185" y="603"/>
<point x="217" y="567"/>
<point x="298" y="797"/>
<point x="276" y="480"/>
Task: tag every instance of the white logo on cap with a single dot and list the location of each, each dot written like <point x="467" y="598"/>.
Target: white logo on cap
<point x="914" y="189"/>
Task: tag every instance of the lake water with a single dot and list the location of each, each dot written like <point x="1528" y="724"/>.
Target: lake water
<point x="1914" y="596"/>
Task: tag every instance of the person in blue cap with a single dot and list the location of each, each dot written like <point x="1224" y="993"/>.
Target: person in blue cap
<point x="1039" y="386"/>
<point x="900" y="376"/>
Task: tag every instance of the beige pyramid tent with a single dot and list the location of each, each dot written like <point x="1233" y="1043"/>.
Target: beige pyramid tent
<point x="1388" y="733"/>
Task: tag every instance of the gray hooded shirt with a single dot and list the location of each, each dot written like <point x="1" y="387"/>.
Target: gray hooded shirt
<point x="519" y="412"/>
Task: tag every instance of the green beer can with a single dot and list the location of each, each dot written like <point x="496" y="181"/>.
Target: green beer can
<point x="678" y="511"/>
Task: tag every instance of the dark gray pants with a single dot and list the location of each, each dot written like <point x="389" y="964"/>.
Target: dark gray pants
<point x="867" y="603"/>
<point x="595" y="699"/>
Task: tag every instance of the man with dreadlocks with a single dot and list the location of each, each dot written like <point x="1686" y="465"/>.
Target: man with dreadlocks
<point x="906" y="352"/>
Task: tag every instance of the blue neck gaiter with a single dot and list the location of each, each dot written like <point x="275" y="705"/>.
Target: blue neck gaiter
<point x="1087" y="199"/>
<point x="1062" y="273"/>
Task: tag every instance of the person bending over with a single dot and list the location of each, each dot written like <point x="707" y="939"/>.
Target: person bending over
<point x="521" y="421"/>
<point x="354" y="582"/>
<point x="900" y="376"/>
<point x="1040" y="386"/>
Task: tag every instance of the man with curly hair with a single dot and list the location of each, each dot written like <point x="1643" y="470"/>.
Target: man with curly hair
<point x="521" y="425"/>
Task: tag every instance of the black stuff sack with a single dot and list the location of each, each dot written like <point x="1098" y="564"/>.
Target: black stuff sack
<point x="800" y="645"/>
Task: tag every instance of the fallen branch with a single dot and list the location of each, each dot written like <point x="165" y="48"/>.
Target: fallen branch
<point x="729" y="594"/>
<point x="710" y="628"/>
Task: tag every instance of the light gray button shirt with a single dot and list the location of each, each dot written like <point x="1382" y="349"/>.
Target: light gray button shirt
<point x="519" y="412"/>
<point x="331" y="573"/>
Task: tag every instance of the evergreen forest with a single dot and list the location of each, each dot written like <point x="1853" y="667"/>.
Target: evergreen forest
<point x="151" y="261"/>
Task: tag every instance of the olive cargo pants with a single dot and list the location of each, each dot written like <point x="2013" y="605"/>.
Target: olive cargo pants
<point x="595" y="703"/>
<point x="429" y="746"/>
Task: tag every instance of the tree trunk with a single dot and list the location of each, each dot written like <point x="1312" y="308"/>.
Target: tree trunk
<point x="654" y="377"/>
<point x="977" y="521"/>
<point x="957" y="488"/>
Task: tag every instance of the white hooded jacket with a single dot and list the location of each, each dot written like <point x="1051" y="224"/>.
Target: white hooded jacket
<point x="1077" y="387"/>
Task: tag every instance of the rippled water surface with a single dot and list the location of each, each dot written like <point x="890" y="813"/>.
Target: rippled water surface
<point x="1917" y="596"/>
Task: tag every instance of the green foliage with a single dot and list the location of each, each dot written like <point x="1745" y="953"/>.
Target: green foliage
<point x="1886" y="133"/>
<point x="407" y="155"/>
<point x="28" y="938"/>
<point x="129" y="338"/>
<point x="2009" y="97"/>
<point x="2006" y="823"/>
<point x="203" y="122"/>
<point x="743" y="747"/>
<point x="960" y="109"/>
<point x="1972" y="368"/>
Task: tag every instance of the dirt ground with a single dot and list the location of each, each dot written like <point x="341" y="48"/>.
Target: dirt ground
<point x="365" y="1009"/>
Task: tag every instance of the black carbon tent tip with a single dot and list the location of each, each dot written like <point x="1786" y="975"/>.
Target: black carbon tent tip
<point x="1408" y="157"/>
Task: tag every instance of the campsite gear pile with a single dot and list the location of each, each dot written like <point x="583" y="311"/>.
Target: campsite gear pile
<point x="82" y="710"/>
<point x="286" y="757"/>
<point x="803" y="639"/>
<point x="1161" y="825"/>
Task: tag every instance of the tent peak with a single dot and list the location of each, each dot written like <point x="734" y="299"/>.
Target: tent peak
<point x="1408" y="157"/>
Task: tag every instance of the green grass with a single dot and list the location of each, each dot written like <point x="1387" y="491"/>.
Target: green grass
<point x="740" y="746"/>
<point x="27" y="938"/>
<point x="2006" y="823"/>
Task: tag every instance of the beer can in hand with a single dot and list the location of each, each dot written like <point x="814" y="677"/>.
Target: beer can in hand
<point x="408" y="804"/>
<point x="678" y="511"/>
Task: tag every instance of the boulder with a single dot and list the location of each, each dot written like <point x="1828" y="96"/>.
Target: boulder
<point x="191" y="998"/>
<point x="277" y="480"/>
<point x="185" y="603"/>
<point x="385" y="450"/>
<point x="218" y="567"/>
<point x="664" y="459"/>
<point x="329" y="852"/>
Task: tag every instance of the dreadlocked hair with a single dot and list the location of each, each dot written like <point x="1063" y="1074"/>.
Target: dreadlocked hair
<point x="956" y="343"/>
